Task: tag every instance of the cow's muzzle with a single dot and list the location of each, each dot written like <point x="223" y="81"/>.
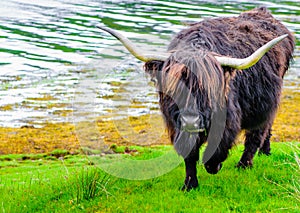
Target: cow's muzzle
<point x="213" y="169"/>
<point x="192" y="123"/>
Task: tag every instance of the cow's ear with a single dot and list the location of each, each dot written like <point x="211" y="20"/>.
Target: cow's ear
<point x="153" y="68"/>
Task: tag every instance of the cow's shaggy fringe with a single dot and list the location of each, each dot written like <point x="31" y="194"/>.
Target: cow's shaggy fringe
<point x="195" y="72"/>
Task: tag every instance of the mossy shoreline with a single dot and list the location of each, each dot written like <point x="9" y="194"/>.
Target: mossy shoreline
<point x="147" y="130"/>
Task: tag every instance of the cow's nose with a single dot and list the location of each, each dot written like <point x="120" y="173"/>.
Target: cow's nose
<point x="213" y="169"/>
<point x="192" y="122"/>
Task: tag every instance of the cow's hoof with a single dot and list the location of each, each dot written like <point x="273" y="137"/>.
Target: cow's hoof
<point x="213" y="169"/>
<point x="187" y="188"/>
<point x="189" y="184"/>
<point x="263" y="152"/>
<point x="244" y="165"/>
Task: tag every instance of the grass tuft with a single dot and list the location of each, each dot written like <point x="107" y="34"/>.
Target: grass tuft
<point x="89" y="183"/>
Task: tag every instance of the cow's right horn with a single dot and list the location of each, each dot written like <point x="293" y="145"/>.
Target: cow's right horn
<point x="132" y="48"/>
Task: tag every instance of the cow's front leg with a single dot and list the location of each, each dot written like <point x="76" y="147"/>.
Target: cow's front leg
<point x="217" y="150"/>
<point x="190" y="161"/>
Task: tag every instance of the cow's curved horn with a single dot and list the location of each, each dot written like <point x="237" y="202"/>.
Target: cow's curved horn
<point x="244" y="63"/>
<point x="132" y="48"/>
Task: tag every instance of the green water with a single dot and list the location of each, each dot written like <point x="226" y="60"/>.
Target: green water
<point x="56" y="66"/>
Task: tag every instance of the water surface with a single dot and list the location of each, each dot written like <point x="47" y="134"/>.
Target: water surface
<point x="54" y="62"/>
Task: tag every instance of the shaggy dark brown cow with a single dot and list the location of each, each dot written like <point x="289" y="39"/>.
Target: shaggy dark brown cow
<point x="204" y="95"/>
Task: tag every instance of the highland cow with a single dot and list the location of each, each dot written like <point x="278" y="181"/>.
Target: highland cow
<point x="219" y="77"/>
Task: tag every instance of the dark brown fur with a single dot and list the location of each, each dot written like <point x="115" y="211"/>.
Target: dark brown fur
<point x="192" y="80"/>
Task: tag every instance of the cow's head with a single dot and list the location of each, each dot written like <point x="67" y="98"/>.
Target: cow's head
<point x="191" y="84"/>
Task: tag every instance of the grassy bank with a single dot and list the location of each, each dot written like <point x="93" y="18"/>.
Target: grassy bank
<point x="70" y="183"/>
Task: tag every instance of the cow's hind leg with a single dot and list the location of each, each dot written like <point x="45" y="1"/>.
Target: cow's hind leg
<point x="254" y="139"/>
<point x="265" y="147"/>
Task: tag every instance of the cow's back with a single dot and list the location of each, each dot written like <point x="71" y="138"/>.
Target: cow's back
<point x="239" y="37"/>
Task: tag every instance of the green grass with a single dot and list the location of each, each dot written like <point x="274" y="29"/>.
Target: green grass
<point x="41" y="183"/>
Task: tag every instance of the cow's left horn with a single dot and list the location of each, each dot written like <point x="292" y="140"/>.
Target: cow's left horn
<point x="244" y="63"/>
<point x="132" y="48"/>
